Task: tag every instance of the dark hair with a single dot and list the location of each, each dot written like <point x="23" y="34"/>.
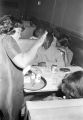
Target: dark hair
<point x="8" y="23"/>
<point x="13" y="31"/>
<point x="39" y="31"/>
<point x="48" y="41"/>
<point x="49" y="37"/>
<point x="72" y="85"/>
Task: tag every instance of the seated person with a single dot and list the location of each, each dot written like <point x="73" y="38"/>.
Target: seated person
<point x="38" y="32"/>
<point x="48" y="54"/>
<point x="62" y="44"/>
<point x="28" y="30"/>
<point x="72" y="85"/>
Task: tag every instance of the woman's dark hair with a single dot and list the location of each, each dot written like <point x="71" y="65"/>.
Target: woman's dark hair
<point x="13" y="30"/>
<point x="48" y="41"/>
<point x="39" y="31"/>
<point x="8" y="23"/>
<point x="72" y="85"/>
<point x="49" y="37"/>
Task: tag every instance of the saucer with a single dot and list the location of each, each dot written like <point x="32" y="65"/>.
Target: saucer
<point x="65" y="69"/>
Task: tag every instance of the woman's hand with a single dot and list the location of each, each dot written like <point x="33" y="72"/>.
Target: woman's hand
<point x="42" y="39"/>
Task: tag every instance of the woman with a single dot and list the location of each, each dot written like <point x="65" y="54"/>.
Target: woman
<point x="12" y="61"/>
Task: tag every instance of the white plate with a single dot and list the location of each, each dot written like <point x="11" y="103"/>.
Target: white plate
<point x="35" y="85"/>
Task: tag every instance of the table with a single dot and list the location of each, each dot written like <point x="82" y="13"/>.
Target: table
<point x="38" y="110"/>
<point x="53" y="78"/>
<point x="71" y="109"/>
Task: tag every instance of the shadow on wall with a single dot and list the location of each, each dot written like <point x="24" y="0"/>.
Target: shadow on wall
<point x="12" y="4"/>
<point x="9" y="7"/>
<point x="77" y="48"/>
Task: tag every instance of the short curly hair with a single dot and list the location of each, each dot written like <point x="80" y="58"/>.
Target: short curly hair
<point x="7" y="23"/>
<point x="72" y="85"/>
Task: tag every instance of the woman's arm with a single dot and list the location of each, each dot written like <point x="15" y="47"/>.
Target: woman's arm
<point x="24" y="59"/>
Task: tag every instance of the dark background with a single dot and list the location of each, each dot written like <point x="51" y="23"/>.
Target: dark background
<point x="64" y="13"/>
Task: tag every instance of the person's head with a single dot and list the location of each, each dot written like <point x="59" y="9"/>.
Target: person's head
<point x="38" y="32"/>
<point x="8" y="23"/>
<point x="63" y="41"/>
<point x="6" y="26"/>
<point x="72" y="85"/>
<point x="48" y="41"/>
<point x="16" y="33"/>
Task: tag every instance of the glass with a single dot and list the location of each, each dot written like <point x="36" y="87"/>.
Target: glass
<point x="54" y="68"/>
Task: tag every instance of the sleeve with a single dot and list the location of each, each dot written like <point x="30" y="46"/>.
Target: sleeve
<point x="11" y="47"/>
<point x="69" y="55"/>
<point x="38" y="58"/>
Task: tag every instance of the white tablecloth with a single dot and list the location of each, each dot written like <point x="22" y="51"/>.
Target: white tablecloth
<point x="53" y="78"/>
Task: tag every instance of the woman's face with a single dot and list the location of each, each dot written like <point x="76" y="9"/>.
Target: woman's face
<point x="17" y="33"/>
<point x="39" y="32"/>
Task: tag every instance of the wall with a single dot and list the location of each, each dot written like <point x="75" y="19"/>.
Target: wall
<point x="73" y="17"/>
<point x="64" y="13"/>
<point x="8" y="7"/>
<point x="42" y="11"/>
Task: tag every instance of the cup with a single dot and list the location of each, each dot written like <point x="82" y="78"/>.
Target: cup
<point x="54" y="68"/>
<point x="38" y="78"/>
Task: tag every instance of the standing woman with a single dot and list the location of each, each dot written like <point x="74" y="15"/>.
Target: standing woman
<point x="12" y="61"/>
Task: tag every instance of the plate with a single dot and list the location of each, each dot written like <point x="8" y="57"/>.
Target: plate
<point x="34" y="86"/>
<point x="65" y="69"/>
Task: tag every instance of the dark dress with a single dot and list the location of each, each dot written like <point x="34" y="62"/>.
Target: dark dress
<point x="11" y="79"/>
